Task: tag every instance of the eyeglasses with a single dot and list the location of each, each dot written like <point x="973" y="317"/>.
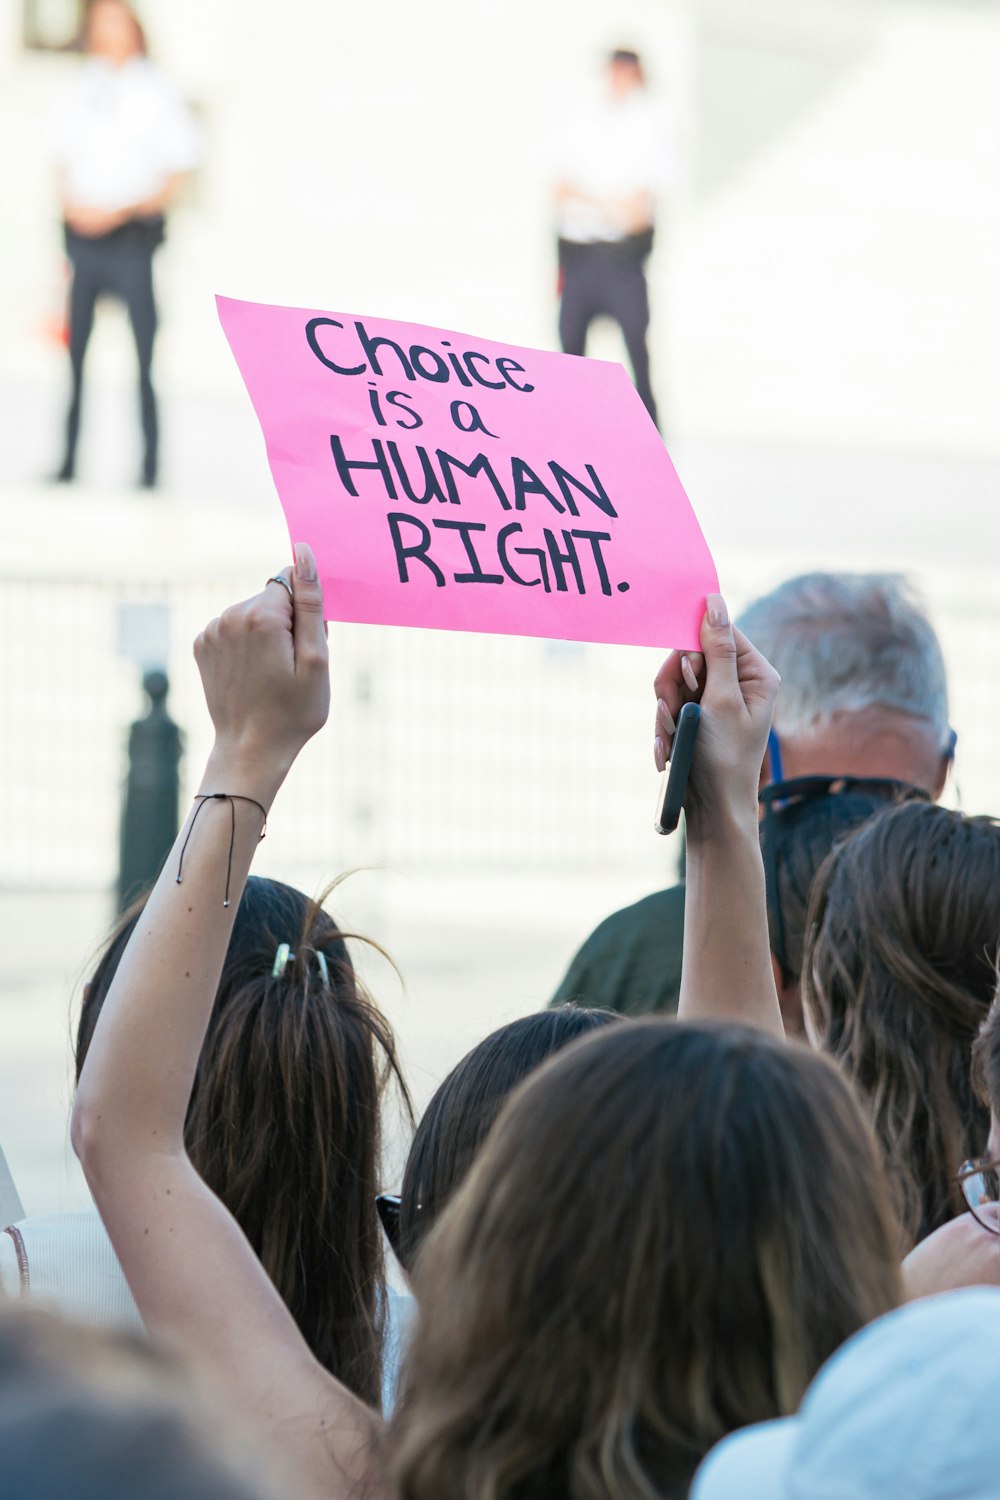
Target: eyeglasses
<point x="388" y="1205"/>
<point x="778" y="796"/>
<point x="979" y="1180"/>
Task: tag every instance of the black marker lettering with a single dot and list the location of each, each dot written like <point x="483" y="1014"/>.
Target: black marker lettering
<point x="470" y="355"/>
<point x="399" y="400"/>
<point x="375" y="405"/>
<point x="432" y="488"/>
<point x="418" y="551"/>
<point x="370" y="343"/>
<point x="313" y="343"/>
<point x="527" y="482"/>
<point x="464" y="528"/>
<point x="455" y="365"/>
<point x="475" y="421"/>
<point x="345" y="465"/>
<point x="479" y="465"/>
<point x="558" y="558"/>
<point x="505" y="365"/>
<point x="595" y="538"/>
<point x="598" y="495"/>
<point x="440" y="371"/>
<point x="507" y="565"/>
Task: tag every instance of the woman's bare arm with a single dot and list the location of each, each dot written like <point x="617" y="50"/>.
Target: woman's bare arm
<point x="726" y="973"/>
<point x="191" y="1270"/>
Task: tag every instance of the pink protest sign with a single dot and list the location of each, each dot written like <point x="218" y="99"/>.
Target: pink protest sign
<point x="448" y="481"/>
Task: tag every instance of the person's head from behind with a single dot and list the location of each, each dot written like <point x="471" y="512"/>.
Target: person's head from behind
<point x="113" y="31"/>
<point x="104" y="1416"/>
<point x="801" y="822"/>
<point x="667" y="1232"/>
<point x="863" y="685"/>
<point x="461" y="1112"/>
<point x="625" y="72"/>
<point x="906" y="1408"/>
<point x="284" y="1119"/>
<point x="898" y="975"/>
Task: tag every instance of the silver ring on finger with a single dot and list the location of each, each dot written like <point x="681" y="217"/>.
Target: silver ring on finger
<point x="284" y="584"/>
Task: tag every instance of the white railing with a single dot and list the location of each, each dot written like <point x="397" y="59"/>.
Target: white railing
<point x="444" y="753"/>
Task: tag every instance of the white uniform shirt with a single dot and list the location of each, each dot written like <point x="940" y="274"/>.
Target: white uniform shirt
<point x="121" y="133"/>
<point x="612" y="148"/>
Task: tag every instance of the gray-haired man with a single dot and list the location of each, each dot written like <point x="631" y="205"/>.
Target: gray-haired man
<point x="863" y="694"/>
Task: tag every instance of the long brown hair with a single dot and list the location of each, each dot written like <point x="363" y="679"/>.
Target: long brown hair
<point x="463" y="1108"/>
<point x="667" y="1232"/>
<point x="284" y="1122"/>
<point x="986" y="1058"/>
<point x="898" y="974"/>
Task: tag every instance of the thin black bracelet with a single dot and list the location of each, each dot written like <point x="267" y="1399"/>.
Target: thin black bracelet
<point x="232" y="798"/>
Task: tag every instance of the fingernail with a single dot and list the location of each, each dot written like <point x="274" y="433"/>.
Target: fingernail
<point x="665" y="716"/>
<point x="718" y="614"/>
<point x="689" y="675"/>
<point x="305" y="563"/>
<point x="658" y="755"/>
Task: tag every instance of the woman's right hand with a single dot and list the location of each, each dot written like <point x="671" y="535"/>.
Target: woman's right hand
<point x="736" y="688"/>
<point x="265" y="670"/>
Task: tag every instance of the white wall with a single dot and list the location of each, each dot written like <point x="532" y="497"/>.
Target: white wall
<point x="830" y="272"/>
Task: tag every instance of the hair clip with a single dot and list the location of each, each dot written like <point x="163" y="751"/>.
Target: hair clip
<point x="283" y="953"/>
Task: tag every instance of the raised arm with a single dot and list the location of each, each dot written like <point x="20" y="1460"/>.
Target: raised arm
<point x="192" y="1272"/>
<point x="726" y="972"/>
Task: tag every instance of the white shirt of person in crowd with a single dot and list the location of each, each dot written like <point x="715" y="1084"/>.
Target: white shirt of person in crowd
<point x="611" y="150"/>
<point x="121" y="134"/>
<point x="65" y="1261"/>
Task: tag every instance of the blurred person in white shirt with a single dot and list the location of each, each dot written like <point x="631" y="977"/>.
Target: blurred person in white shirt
<point x="122" y="140"/>
<point x="614" y="162"/>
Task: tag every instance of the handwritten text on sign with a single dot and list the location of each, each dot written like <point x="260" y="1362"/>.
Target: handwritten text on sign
<point x="453" y="482"/>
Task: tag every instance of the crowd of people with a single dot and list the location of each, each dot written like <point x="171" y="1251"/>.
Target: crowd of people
<point x="721" y="1222"/>
<point x="742" y="1251"/>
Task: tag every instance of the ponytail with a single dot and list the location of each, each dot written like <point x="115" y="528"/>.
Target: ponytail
<point x="284" y="1119"/>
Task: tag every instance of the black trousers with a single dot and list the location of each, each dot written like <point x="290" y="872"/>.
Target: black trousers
<point x="119" y="264"/>
<point x="608" y="280"/>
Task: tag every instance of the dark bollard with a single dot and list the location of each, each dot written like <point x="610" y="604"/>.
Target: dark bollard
<point x="149" y="817"/>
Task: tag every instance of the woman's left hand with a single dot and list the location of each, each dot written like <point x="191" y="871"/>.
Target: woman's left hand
<point x="736" y="688"/>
